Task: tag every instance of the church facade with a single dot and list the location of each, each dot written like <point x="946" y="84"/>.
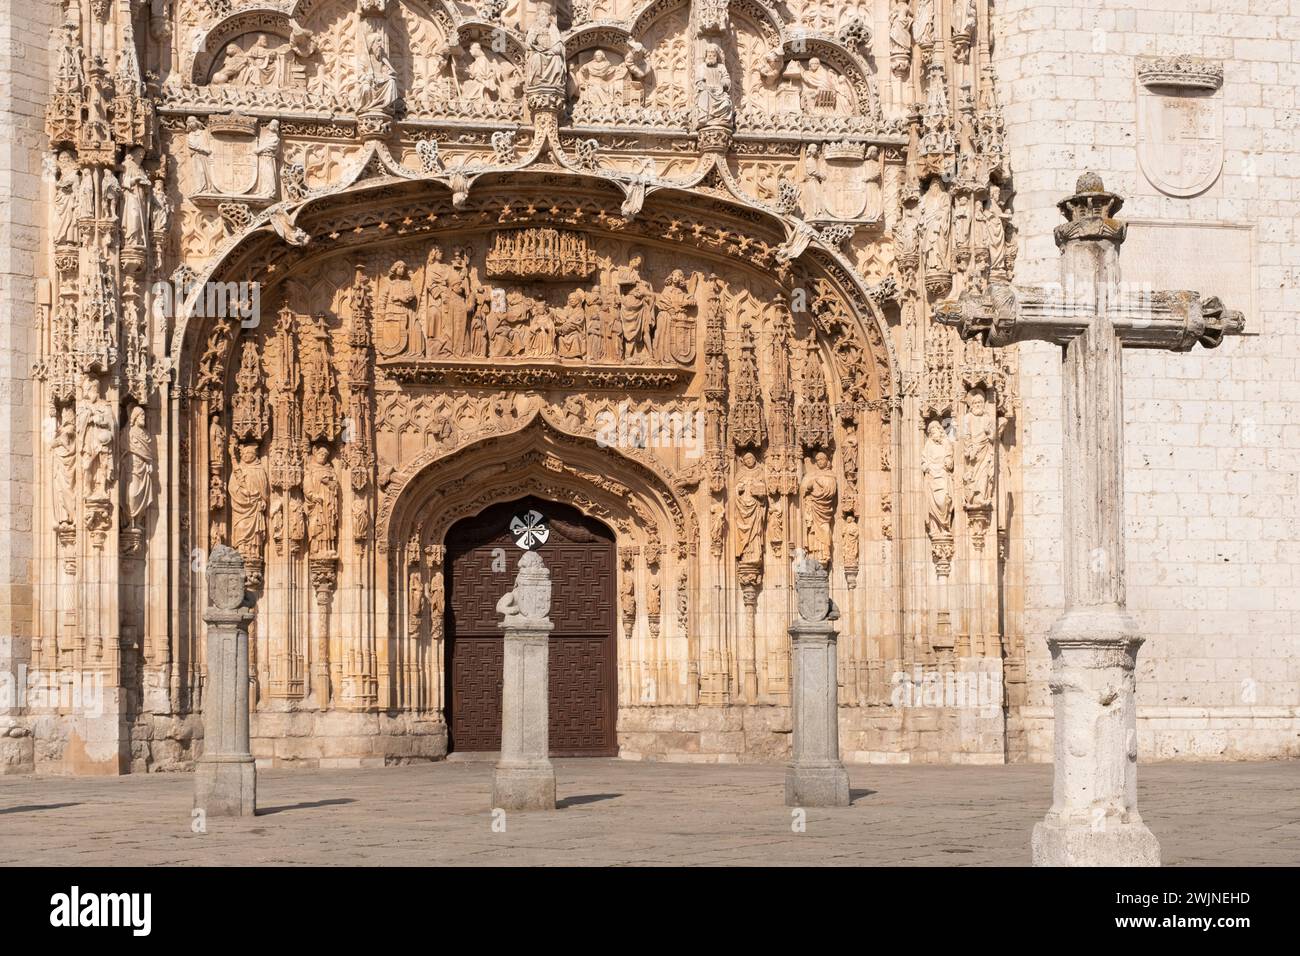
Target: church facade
<point x="384" y="293"/>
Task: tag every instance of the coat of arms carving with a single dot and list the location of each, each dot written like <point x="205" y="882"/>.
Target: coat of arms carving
<point x="1180" y="123"/>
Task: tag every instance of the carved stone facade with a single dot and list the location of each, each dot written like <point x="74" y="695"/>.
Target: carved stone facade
<point x="465" y="253"/>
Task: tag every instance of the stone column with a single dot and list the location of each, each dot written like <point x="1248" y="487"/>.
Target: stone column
<point x="524" y="778"/>
<point x="1093" y="820"/>
<point x="225" y="777"/>
<point x="815" y="777"/>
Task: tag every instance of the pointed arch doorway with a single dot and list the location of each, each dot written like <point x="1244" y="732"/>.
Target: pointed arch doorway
<point x="482" y="559"/>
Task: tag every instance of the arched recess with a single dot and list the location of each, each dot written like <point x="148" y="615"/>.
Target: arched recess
<point x="655" y="526"/>
<point x="382" y="206"/>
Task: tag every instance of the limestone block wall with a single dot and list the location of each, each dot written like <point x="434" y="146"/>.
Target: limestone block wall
<point x="24" y="84"/>
<point x="1213" y="437"/>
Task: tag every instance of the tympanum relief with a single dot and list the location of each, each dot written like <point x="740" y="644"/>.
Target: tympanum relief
<point x="672" y="264"/>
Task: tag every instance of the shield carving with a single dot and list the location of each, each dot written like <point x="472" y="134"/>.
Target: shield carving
<point x="392" y="327"/>
<point x="1180" y="139"/>
<point x="845" y="195"/>
<point x="234" y="156"/>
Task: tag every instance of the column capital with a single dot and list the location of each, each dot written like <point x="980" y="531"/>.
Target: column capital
<point x="1090" y="214"/>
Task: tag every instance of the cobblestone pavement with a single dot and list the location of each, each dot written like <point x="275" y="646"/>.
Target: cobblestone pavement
<point x="624" y="812"/>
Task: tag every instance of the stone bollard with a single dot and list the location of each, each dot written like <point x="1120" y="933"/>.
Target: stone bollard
<point x="524" y="778"/>
<point x="225" y="777"/>
<point x="815" y="777"/>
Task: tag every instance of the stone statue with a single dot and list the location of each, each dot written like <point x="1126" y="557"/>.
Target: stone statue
<point x="529" y="603"/>
<point x="320" y="488"/>
<point x="65" y="470"/>
<point x="936" y="217"/>
<point x="545" y="63"/>
<point x="818" y="491"/>
<point x="713" y="104"/>
<point x="249" y="492"/>
<point x="900" y="36"/>
<point x="135" y="199"/>
<point x="378" y="88"/>
<point x="596" y="81"/>
<point x="98" y="435"/>
<point x="981" y="434"/>
<point x="65" y="200"/>
<point x="268" y="157"/>
<point x="481" y="81"/>
<point x="139" y="489"/>
<point x="751" y="509"/>
<point x="937" y="466"/>
<point x="199" y="144"/>
<point x="395" y="328"/>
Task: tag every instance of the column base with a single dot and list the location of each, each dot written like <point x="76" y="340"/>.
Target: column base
<point x="816" y="787"/>
<point x="524" y="788"/>
<point x="1080" y="844"/>
<point x="226" y="787"/>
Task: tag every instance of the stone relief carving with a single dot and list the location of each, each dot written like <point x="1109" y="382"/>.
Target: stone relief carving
<point x="471" y="318"/>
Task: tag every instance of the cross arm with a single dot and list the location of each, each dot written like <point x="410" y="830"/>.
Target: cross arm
<point x="1003" y="315"/>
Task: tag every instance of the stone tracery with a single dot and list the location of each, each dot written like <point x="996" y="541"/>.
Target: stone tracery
<point x="633" y="243"/>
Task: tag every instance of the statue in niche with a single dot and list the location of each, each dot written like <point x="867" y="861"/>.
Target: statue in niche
<point x="900" y="36"/>
<point x="110" y="196"/>
<point x="545" y="62"/>
<point x="937" y="466"/>
<point x="717" y="527"/>
<point x="923" y="24"/>
<point x="65" y="469"/>
<point x="249" y="492"/>
<point x="850" y="540"/>
<point x="414" y="601"/>
<point x="811" y="199"/>
<point x="65" y="200"/>
<point x="636" y="316"/>
<point x="378" y="90"/>
<point x="396" y="331"/>
<point x="541" y="333"/>
<point x="821" y="89"/>
<point x="769" y="72"/>
<point x="713" y="104"/>
<point x="86" y="195"/>
<point x="320" y="489"/>
<point x="481" y="84"/>
<point x="139" y="488"/>
<point x="751" y="509"/>
<point x="981" y="434"/>
<point x="594" y="316"/>
<point x="199" y="143"/>
<point x="268" y="155"/>
<point x="637" y="67"/>
<point x="440" y="332"/>
<point x="936" y="218"/>
<point x="818" y="491"/>
<point x="991" y="221"/>
<point x="135" y="199"/>
<point x="572" y="328"/>
<point x="97" y="430"/>
<point x="675" y="324"/>
<point x="598" y="80"/>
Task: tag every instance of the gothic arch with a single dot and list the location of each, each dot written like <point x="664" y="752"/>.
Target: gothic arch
<point x="385" y="202"/>
<point x="633" y="496"/>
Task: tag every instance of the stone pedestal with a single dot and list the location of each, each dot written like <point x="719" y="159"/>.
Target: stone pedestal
<point x="524" y="778"/>
<point x="815" y="777"/>
<point x="1094" y="820"/>
<point x="225" y="777"/>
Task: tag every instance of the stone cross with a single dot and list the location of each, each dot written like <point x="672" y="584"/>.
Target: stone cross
<point x="815" y="777"/>
<point x="225" y="777"/>
<point x="524" y="778"/>
<point x="1093" y="820"/>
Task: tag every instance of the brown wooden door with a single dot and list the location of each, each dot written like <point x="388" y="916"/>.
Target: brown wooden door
<point x="482" y="560"/>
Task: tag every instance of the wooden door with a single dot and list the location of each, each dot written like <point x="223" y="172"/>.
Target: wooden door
<point x="482" y="560"/>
